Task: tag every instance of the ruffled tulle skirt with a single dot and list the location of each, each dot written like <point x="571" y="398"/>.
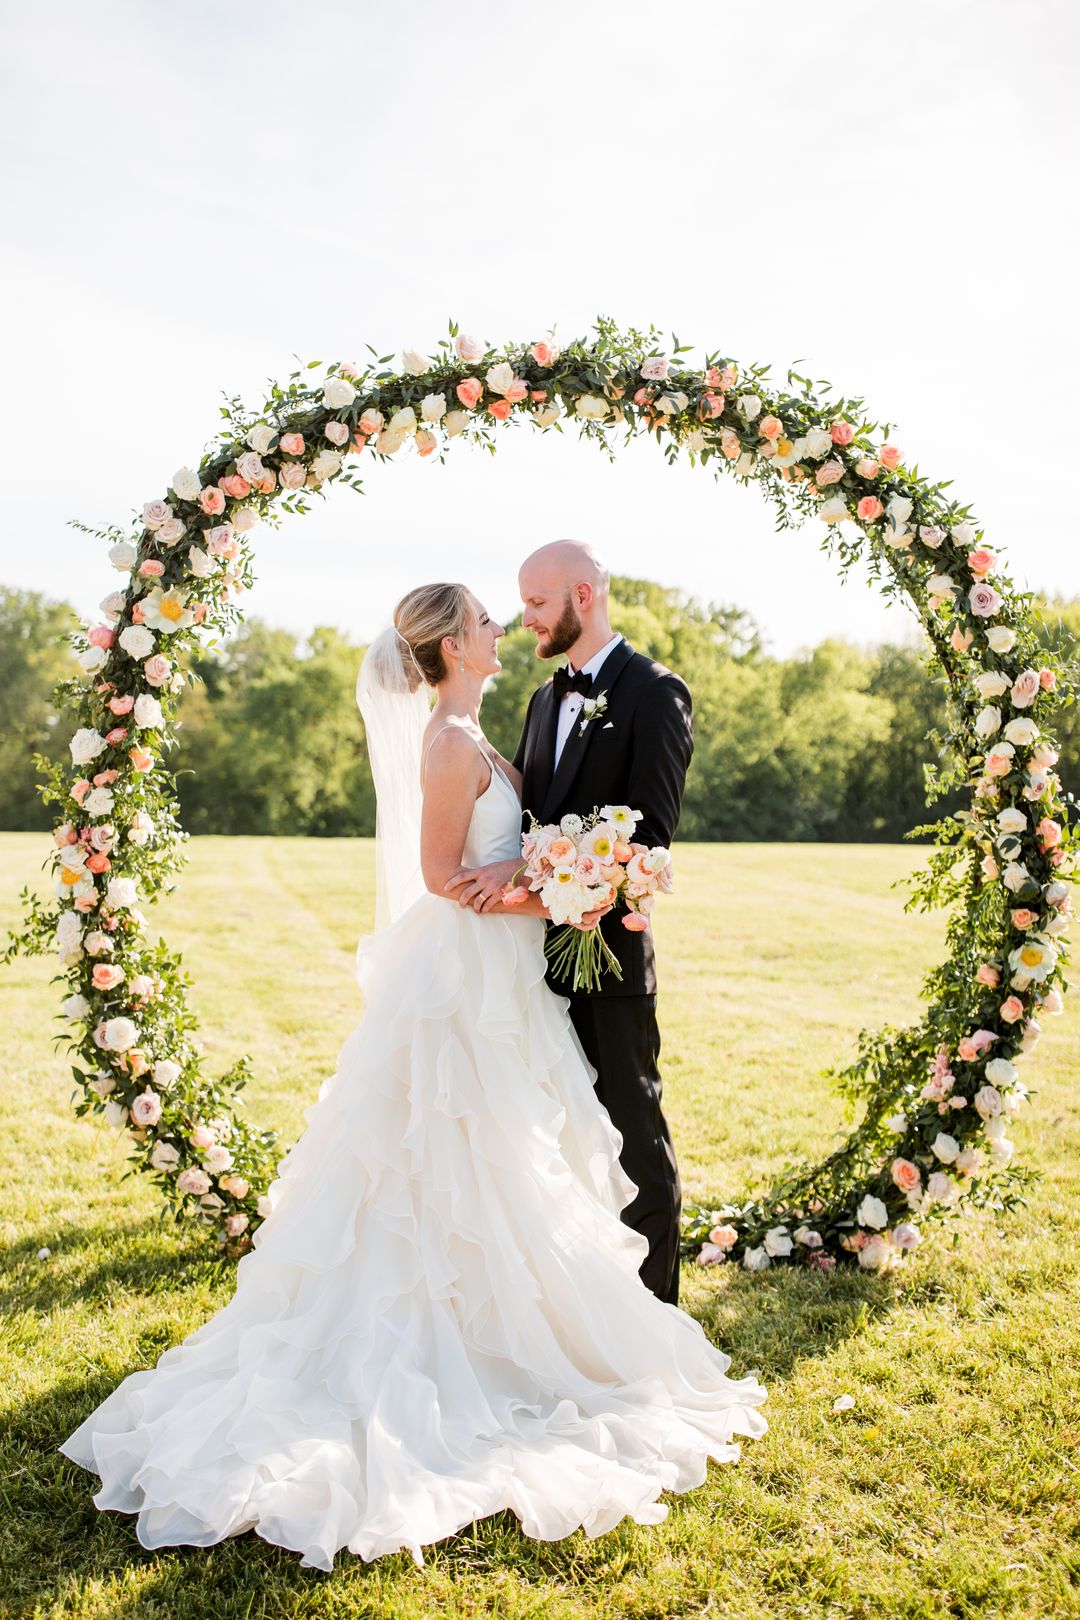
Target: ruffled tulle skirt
<point x="442" y="1316"/>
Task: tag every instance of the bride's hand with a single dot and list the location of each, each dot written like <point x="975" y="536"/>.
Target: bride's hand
<point x="591" y="919"/>
<point x="481" y="887"/>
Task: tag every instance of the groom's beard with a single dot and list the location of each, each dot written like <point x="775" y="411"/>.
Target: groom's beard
<point x="562" y="635"/>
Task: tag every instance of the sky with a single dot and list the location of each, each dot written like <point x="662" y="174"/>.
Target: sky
<point x="197" y="196"/>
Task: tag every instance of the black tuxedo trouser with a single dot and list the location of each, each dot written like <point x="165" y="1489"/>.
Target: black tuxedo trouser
<point x="621" y="1040"/>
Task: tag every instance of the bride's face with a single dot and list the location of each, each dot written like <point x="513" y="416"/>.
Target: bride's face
<point x="481" y="642"/>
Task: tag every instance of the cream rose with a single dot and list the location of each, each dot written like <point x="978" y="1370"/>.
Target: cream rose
<point x="86" y="744"/>
<point x="338" y="394"/>
<point x="122" y="555"/>
<point x="186" y="484"/>
<point x="137" y="641"/>
<point x="1000" y="639"/>
<point x="433" y="407"/>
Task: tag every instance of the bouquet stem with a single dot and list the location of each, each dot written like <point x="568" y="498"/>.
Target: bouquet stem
<point x="581" y="955"/>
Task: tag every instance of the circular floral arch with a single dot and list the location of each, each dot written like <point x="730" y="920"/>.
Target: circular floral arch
<point x="934" y="1098"/>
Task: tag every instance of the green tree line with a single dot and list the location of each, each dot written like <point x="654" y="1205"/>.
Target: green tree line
<point x="826" y="745"/>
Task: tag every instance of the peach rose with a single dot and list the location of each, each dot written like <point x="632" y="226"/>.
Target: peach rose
<point x="981" y="561"/>
<point x="1011" y="1009"/>
<point x="989" y="975"/>
<point x="1047" y="679"/>
<point x="116" y="735"/>
<point x="79" y="791"/>
<point x="202" y="1137"/>
<point x="517" y="391"/>
<point x="292" y="444"/>
<point x="724" y="1237"/>
<point x="905" y="1175"/>
<point x="106" y="977"/>
<point x="98" y="862"/>
<point x="469" y="392"/>
<point x="869" y="509"/>
<point x="770" y="427"/>
<point x="842" y="432"/>
<point x="561" y="851"/>
<point x="634" y="923"/>
<point x="212" y="500"/>
<point x="889" y="456"/>
<point x="141" y="759"/>
<point x="544" y="353"/>
<point x="122" y="705"/>
<point x="234" y="486"/>
<point x="151" y="568"/>
<point x="500" y="410"/>
<point x="960" y="640"/>
<point x="102" y="635"/>
<point x="1023" y="918"/>
<point x="292" y="475"/>
<point x="831" y="472"/>
<point x="866" y="467"/>
<point x="1048" y="833"/>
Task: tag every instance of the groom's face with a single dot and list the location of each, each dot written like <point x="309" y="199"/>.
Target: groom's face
<point x="553" y="620"/>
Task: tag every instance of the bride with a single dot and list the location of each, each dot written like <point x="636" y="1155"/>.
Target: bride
<point x="441" y="1318"/>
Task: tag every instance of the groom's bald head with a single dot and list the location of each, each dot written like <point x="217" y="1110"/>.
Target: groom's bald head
<point x="564" y="564"/>
<point x="564" y="587"/>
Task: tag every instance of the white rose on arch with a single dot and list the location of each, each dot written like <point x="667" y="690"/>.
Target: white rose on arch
<point x="414" y="362"/>
<point x="338" y="393"/>
<point x="433" y="407"/>
<point x="86" y="745"/>
<point x="186" y="484"/>
<point x="137" y="641"/>
<point x="592" y="407"/>
<point x="872" y="1212"/>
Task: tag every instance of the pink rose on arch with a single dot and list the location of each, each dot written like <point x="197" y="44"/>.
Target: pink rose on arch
<point x="1011" y="1009"/>
<point x="106" y="977"/>
<point x="999" y="761"/>
<point x="469" y="392"/>
<point x="1047" y="680"/>
<point x="234" y="486"/>
<point x="122" y="705"/>
<point x="146" y="1109"/>
<point x="141" y="759"/>
<point x="544" y="353"/>
<point x="65" y="835"/>
<point x="500" y="409"/>
<point x="292" y="444"/>
<point x="102" y="635"/>
<point x="842" y="432"/>
<point x="235" y="1224"/>
<point x="212" y="500"/>
<point x="292" y="475"/>
<point x="156" y="669"/>
<point x="831" y="472"/>
<point x="960" y="640"/>
<point x="869" y="509"/>
<point x="1025" y="689"/>
<point x="337" y="433"/>
<point x="517" y="391"/>
<point x="771" y="427"/>
<point x="889" y="456"/>
<point x="989" y="975"/>
<point x="116" y="735"/>
<point x="1048" y="833"/>
<point x="151" y="568"/>
<point x="710" y="406"/>
<point x="193" y="1181"/>
<point x="221" y="541"/>
<point x="655" y="369"/>
<point x="905" y="1175"/>
<point x="866" y="467"/>
<point x="79" y="790"/>
<point x="1023" y="918"/>
<point x="982" y="561"/>
<point x="984" y="600"/>
<point x="202" y="1137"/>
<point x="98" y="862"/>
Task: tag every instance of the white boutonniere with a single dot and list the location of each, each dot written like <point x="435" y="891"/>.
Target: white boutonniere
<point x="591" y="708"/>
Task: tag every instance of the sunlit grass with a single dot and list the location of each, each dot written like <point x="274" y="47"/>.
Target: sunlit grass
<point x="950" y="1488"/>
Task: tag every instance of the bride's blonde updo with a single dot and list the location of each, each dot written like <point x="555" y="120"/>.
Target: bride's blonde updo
<point x="422" y="618"/>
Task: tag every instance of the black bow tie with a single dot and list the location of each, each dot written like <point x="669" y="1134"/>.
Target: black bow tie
<point x="564" y="681"/>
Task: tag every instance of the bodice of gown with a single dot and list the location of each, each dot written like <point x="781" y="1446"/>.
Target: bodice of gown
<point x="495" y="828"/>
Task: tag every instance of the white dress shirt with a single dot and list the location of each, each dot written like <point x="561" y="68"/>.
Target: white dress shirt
<point x="573" y="702"/>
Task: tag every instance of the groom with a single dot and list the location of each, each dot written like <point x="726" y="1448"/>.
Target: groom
<point x="634" y="750"/>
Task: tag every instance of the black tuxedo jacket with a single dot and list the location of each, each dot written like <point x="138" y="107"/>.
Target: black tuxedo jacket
<point x="635" y="753"/>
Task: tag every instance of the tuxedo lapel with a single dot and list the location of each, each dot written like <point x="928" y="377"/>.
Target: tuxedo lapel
<point x="577" y="743"/>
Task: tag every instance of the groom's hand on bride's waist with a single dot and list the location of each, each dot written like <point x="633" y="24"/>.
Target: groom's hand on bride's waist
<point x="481" y="887"/>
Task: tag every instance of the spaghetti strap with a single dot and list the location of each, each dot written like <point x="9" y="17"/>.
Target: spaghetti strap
<point x="450" y="726"/>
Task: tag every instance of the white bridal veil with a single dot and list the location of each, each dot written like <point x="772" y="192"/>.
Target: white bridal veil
<point x="394" y="718"/>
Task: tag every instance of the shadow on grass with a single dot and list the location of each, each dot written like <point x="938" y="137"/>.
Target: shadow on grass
<point x="54" y="1544"/>
<point x="89" y="1262"/>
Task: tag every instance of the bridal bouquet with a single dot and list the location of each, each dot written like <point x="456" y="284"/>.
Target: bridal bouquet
<point x="579" y="865"/>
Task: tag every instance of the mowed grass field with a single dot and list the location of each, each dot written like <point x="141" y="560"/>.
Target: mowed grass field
<point x="951" y="1487"/>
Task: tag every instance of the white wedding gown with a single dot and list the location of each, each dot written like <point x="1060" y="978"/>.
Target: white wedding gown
<point x="442" y="1316"/>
